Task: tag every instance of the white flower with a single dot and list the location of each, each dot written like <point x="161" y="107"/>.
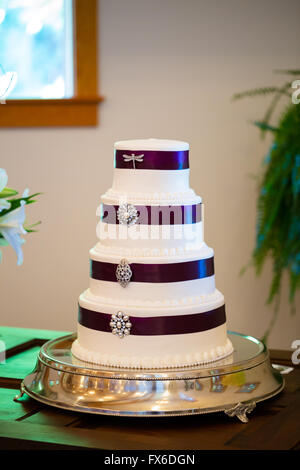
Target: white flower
<point x="11" y="227"/>
<point x="4" y="204"/>
<point x="25" y="193"/>
<point x="3" y="179"/>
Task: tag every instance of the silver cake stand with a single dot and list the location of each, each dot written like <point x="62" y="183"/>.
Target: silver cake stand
<point x="233" y="385"/>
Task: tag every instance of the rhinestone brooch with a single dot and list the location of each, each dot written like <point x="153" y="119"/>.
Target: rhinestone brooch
<point x="127" y="214"/>
<point x="120" y="325"/>
<point x="123" y="273"/>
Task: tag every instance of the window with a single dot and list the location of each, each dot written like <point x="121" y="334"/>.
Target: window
<point x="43" y="61"/>
<point x="48" y="63"/>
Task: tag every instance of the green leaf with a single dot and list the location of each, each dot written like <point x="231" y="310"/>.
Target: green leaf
<point x="288" y="72"/>
<point x="259" y="92"/>
<point x="244" y="268"/>
<point x="29" y="228"/>
<point x="7" y="192"/>
<point x="270" y="111"/>
<point x="16" y="203"/>
<point x="266" y="335"/>
<point x="266" y="127"/>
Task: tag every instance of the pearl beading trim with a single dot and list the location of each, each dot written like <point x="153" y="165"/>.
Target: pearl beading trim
<point x="148" y="252"/>
<point x="216" y="296"/>
<point x="157" y="362"/>
<point x="181" y="197"/>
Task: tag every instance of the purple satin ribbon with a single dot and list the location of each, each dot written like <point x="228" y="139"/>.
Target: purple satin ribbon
<point x="156" y="215"/>
<point x="161" y="325"/>
<point x="152" y="160"/>
<point x="168" y="272"/>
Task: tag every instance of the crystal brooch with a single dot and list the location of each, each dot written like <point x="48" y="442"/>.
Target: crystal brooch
<point x="120" y="325"/>
<point x="127" y="214"/>
<point x="123" y="273"/>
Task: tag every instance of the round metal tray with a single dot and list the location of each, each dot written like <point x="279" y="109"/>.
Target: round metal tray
<point x="233" y="385"/>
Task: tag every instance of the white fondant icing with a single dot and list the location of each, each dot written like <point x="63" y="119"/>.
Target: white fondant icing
<point x="147" y="308"/>
<point x="112" y="253"/>
<point x="115" y="196"/>
<point x="161" y="238"/>
<point x="182" y="293"/>
<point x="152" y="144"/>
<point x="149" y="180"/>
<point x="152" y="351"/>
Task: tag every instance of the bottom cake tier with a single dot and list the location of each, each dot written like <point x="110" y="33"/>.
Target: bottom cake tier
<point x="190" y="336"/>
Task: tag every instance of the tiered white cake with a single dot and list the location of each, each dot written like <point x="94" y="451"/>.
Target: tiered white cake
<point x="152" y="300"/>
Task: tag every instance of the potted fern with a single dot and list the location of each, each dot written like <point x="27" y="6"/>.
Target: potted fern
<point x="278" y="205"/>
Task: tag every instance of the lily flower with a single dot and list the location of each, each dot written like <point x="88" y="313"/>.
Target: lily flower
<point x="11" y="228"/>
<point x="4" y="204"/>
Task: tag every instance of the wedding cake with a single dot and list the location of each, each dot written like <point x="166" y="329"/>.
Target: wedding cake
<point x="151" y="301"/>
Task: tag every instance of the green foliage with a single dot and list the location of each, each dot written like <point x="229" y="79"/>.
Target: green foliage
<point x="288" y="72"/>
<point x="8" y="192"/>
<point x="30" y="229"/>
<point x="16" y="203"/>
<point x="278" y="206"/>
<point x="258" y="92"/>
<point x="278" y="221"/>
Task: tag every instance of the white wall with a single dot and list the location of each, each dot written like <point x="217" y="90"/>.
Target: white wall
<point x="168" y="70"/>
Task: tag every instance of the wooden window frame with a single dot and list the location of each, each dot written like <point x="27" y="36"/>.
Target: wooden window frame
<point x="80" y="110"/>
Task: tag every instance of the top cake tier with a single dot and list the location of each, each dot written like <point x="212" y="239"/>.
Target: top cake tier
<point x="151" y="165"/>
